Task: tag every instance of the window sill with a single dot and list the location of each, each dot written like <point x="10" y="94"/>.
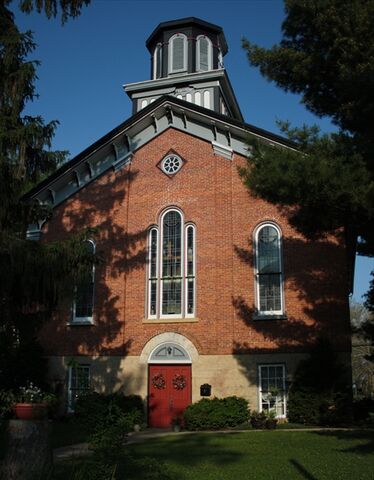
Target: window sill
<point x="269" y="316"/>
<point x="170" y="320"/>
<point x="80" y="322"/>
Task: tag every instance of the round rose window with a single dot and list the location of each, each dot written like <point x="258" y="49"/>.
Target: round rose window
<point x="171" y="164"/>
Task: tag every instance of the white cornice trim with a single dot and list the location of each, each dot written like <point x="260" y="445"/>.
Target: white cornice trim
<point x="222" y="150"/>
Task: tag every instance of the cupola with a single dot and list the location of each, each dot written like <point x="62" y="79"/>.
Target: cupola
<point x="187" y="62"/>
<point x="188" y="45"/>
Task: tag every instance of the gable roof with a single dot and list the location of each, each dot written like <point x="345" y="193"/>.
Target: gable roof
<point x="117" y="147"/>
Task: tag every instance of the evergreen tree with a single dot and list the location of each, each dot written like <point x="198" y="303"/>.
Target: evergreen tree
<point x="33" y="276"/>
<point x="327" y="183"/>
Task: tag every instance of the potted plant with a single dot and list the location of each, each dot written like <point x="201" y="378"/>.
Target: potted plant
<point x="257" y="419"/>
<point x="32" y="404"/>
<point x="176" y="423"/>
<point x="271" y="420"/>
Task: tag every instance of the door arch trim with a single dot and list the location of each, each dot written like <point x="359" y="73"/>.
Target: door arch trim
<point x="168" y="337"/>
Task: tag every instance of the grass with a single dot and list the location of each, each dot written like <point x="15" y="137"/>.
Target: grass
<point x="265" y="455"/>
<point x="258" y="455"/>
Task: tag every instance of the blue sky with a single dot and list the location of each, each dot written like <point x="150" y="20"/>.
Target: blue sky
<point x="85" y="63"/>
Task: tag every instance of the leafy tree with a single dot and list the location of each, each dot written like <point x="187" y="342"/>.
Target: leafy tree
<point x="33" y="276"/>
<point x="327" y="183"/>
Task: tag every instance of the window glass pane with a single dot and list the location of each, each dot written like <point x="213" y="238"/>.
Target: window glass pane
<point x="272" y="394"/>
<point x="172" y="297"/>
<point x="270" y="292"/>
<point x="190" y="296"/>
<point x="178" y="54"/>
<point x="204" y="55"/>
<point x="171" y="247"/>
<point x="268" y="250"/>
<point x="190" y="251"/>
<point x="79" y="382"/>
<point x="153" y="297"/>
<point x="84" y="292"/>
<point x="158" y="61"/>
<point x="153" y="254"/>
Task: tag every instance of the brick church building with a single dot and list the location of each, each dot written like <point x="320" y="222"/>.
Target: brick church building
<point x="201" y="283"/>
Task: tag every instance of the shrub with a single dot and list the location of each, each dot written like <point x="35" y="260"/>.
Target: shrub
<point x="216" y="413"/>
<point x="258" y="419"/>
<point x="7" y="400"/>
<point x="97" y="411"/>
<point x="362" y="409"/>
<point x="320" y="394"/>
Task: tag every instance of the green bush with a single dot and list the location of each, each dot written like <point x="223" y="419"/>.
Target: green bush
<point x="216" y="413"/>
<point x="362" y="408"/>
<point x="97" y="411"/>
<point x="319" y="394"/>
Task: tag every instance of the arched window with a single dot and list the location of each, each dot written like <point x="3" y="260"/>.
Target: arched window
<point x="269" y="277"/>
<point x="203" y="54"/>
<point x="157" y="61"/>
<point x="84" y="293"/>
<point x="171" y="268"/>
<point x="178" y="53"/>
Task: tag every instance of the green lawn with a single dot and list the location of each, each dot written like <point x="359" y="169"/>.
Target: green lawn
<point x="265" y="455"/>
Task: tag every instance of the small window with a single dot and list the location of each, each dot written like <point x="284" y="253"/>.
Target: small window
<point x="171" y="164"/>
<point x="84" y="294"/>
<point x="79" y="383"/>
<point x="203" y="54"/>
<point x="272" y="389"/>
<point x="178" y="53"/>
<point x="269" y="278"/>
<point x="157" y="61"/>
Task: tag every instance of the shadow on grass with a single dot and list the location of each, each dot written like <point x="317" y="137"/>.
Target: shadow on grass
<point x="365" y="438"/>
<point x="302" y="470"/>
<point x="214" y="451"/>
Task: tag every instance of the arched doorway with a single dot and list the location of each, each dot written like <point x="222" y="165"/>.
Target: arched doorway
<point x="169" y="383"/>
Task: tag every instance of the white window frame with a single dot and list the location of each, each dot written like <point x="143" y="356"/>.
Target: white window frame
<point x="75" y="320"/>
<point x="257" y="275"/>
<point x="210" y="53"/>
<point x="157" y="49"/>
<point x="184" y="278"/>
<point x="149" y="278"/>
<point x="71" y="400"/>
<point x="283" y="399"/>
<point x="171" y="51"/>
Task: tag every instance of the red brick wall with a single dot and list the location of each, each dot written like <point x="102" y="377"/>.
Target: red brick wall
<point x="210" y="193"/>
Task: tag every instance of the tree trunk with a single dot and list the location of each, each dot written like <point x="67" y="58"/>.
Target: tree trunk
<point x="28" y="453"/>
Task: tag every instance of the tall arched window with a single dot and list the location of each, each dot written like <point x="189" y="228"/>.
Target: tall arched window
<point x="178" y="53"/>
<point x="84" y="293"/>
<point x="269" y="277"/>
<point x="171" y="268"/>
<point x="203" y="54"/>
<point x="157" y="61"/>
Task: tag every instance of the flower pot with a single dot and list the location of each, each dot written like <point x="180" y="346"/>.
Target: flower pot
<point x="30" y="411"/>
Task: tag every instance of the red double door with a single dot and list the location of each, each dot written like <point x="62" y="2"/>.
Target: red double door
<point x="169" y="389"/>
